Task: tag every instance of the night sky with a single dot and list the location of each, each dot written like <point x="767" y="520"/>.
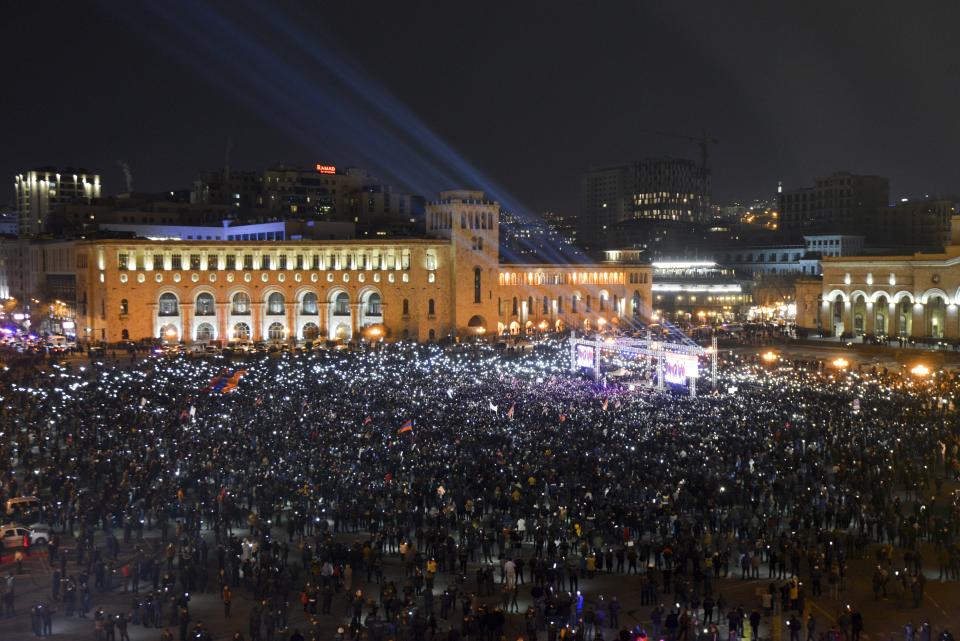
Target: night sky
<point x="516" y="97"/>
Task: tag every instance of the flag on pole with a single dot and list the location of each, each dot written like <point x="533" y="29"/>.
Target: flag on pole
<point x="510" y="411"/>
<point x="450" y="392"/>
<point x="368" y="420"/>
<point x="493" y="407"/>
<point x="406" y="427"/>
<point x="563" y="417"/>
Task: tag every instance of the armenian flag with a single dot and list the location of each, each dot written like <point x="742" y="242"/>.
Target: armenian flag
<point x="226" y="384"/>
<point x="406" y="427"/>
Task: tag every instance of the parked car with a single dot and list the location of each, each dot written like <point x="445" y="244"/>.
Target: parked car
<point x="15" y="536"/>
<point x="202" y="350"/>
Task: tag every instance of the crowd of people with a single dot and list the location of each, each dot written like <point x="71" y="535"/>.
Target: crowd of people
<point x="418" y="492"/>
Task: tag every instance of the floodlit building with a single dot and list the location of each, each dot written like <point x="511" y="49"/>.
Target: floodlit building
<point x="909" y="295"/>
<point x="450" y="282"/>
<point x="699" y="291"/>
<point x="696" y="291"/>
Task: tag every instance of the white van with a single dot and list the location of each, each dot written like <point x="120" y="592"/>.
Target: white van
<point x="60" y="342"/>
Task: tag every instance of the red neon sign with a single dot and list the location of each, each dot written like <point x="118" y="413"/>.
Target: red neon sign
<point x="327" y="169"/>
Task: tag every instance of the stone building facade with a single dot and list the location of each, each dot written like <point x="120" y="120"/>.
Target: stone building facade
<point x="913" y="296"/>
<point x="450" y="282"/>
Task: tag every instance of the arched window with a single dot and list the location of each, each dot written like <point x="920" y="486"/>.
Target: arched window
<point x="309" y="304"/>
<point x="431" y="308"/>
<point x="241" y="332"/>
<point x="882" y="307"/>
<point x="546" y="305"/>
<point x="373" y="305"/>
<point x="125" y="334"/>
<point x="406" y="307"/>
<point x="936" y="309"/>
<point x="516" y="306"/>
<point x="433" y="334"/>
<point x="311" y="332"/>
<point x="341" y="304"/>
<point x="529" y="305"/>
<point x="574" y="301"/>
<point x="204" y="332"/>
<point x="275" y="304"/>
<point x="124" y="306"/>
<point x="476" y="284"/>
<point x="205" y="306"/>
<point x="559" y="304"/>
<point x="168" y="305"/>
<point x="588" y="303"/>
<point x="636" y="304"/>
<point x="859" y="314"/>
<point x="241" y="304"/>
<point x="275" y="332"/>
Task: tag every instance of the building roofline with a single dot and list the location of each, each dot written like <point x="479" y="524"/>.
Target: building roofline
<point x="875" y="258"/>
<point x="601" y="265"/>
<point x="426" y="242"/>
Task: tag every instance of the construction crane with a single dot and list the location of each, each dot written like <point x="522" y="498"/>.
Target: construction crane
<point x="703" y="141"/>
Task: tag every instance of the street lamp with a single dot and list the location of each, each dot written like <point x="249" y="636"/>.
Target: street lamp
<point x="920" y="370"/>
<point x="375" y="334"/>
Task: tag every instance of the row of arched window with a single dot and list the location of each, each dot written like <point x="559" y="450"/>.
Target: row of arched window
<point x="575" y="301"/>
<point x="468" y="220"/>
<point x="213" y="261"/>
<point x="240" y="304"/>
<point x="562" y="278"/>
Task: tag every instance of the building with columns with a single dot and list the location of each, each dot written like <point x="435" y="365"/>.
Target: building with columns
<point x="915" y="296"/>
<point x="448" y="283"/>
